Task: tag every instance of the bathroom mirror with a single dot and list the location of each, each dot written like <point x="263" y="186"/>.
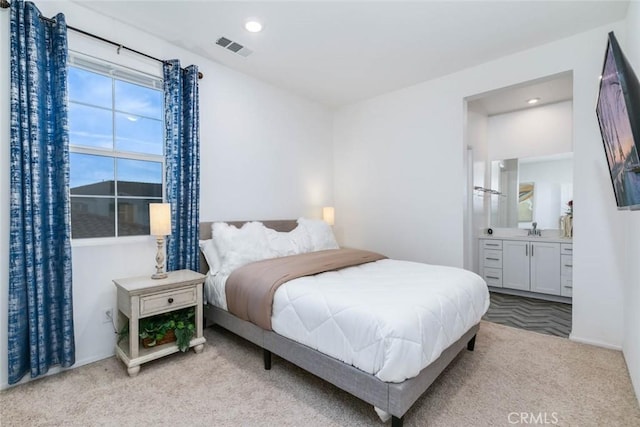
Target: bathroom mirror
<point x="534" y="189"/>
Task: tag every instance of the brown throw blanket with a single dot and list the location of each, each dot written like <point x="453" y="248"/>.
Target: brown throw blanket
<point x="250" y="288"/>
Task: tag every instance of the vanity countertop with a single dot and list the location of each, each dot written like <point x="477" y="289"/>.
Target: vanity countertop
<point x="550" y="239"/>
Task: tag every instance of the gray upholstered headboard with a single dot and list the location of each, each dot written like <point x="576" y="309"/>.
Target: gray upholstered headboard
<point x="205" y="232"/>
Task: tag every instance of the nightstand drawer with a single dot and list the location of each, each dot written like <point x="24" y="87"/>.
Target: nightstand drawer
<point x="566" y="249"/>
<point x="164" y="301"/>
<point x="492" y="258"/>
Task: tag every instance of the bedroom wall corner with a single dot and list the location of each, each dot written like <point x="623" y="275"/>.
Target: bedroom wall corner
<point x="399" y="177"/>
<point x="631" y="340"/>
<point x="5" y="111"/>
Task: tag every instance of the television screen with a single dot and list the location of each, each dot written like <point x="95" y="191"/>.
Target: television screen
<point x="618" y="108"/>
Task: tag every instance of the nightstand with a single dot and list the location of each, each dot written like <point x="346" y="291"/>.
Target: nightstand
<point x="140" y="297"/>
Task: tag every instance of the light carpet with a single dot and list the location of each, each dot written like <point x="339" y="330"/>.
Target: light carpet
<point x="511" y="371"/>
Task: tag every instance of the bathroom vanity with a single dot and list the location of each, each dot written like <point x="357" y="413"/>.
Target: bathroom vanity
<point x="533" y="266"/>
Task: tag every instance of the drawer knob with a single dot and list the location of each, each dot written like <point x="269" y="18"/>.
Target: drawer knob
<point x="170" y="300"/>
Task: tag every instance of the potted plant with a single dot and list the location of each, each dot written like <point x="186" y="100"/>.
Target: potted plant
<point x="178" y="325"/>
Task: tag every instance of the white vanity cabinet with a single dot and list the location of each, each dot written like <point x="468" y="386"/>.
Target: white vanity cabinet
<point x="491" y="262"/>
<point x="545" y="267"/>
<point x="566" y="270"/>
<point x="516" y="266"/>
<point x="531" y="265"/>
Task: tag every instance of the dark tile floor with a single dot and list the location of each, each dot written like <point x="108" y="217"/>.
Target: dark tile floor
<point x="547" y="317"/>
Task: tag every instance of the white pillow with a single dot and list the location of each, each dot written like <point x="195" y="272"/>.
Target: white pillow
<point x="210" y="253"/>
<point x="296" y="241"/>
<point x="301" y="239"/>
<point x="322" y="237"/>
<point x="280" y="243"/>
<point x="240" y="246"/>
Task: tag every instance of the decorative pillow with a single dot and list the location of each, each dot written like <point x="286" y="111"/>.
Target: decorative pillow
<point x="210" y="253"/>
<point x="240" y="246"/>
<point x="281" y="243"/>
<point x="322" y="237"/>
<point x="296" y="241"/>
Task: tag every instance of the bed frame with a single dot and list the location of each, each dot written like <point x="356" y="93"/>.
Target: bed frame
<point x="394" y="398"/>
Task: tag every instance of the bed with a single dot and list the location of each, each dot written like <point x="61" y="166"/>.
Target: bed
<point x="367" y="373"/>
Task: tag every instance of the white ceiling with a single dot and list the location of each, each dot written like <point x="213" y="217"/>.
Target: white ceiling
<point x="341" y="52"/>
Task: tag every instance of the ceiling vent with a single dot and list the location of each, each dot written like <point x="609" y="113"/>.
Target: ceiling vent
<point x="234" y="47"/>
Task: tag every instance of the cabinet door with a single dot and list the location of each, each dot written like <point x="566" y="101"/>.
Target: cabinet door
<point x="545" y="268"/>
<point x="515" y="265"/>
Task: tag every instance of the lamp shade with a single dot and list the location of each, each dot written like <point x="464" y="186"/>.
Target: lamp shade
<point x="328" y="215"/>
<point x="160" y="219"/>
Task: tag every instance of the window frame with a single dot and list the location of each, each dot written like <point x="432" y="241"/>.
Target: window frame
<point x="129" y="75"/>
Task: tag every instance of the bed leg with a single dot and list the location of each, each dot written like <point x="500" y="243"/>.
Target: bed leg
<point x="396" y="422"/>
<point x="266" y="356"/>
<point x="471" y="344"/>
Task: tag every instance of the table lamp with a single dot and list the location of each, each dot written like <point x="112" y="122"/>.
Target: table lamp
<point x="329" y="215"/>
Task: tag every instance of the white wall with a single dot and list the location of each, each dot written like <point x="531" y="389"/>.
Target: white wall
<point x="477" y="139"/>
<point x="265" y="154"/>
<point x="400" y="175"/>
<point x="534" y="132"/>
<point x="631" y="341"/>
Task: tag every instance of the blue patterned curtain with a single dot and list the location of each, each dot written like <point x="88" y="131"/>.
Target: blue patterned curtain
<point x="40" y="314"/>
<point x="182" y="154"/>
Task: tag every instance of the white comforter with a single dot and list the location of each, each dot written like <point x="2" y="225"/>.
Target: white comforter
<point x="388" y="318"/>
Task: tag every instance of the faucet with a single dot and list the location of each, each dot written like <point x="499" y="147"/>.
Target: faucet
<point x="534" y="230"/>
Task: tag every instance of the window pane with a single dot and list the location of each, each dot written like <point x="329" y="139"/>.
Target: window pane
<point x="90" y="88"/>
<point x="92" y="217"/>
<point x="138" y="100"/>
<point x="108" y="118"/>
<point x="139" y="178"/>
<point x="133" y="216"/>
<point x="90" y="126"/>
<point x="91" y="175"/>
<point x="138" y="134"/>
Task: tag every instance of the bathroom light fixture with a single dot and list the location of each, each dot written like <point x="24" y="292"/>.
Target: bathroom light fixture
<point x="253" y="26"/>
<point x="533" y="101"/>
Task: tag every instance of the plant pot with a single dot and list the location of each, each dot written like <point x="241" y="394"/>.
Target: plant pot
<point x="168" y="337"/>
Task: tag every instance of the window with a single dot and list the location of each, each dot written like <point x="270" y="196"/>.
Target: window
<point x="116" y="135"/>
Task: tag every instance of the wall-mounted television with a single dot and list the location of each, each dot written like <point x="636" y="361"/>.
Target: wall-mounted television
<point x="618" y="112"/>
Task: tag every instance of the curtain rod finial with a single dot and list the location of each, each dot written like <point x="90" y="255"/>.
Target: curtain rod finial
<point x="4" y="4"/>
<point x="200" y="75"/>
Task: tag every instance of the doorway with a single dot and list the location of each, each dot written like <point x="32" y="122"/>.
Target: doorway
<point x="528" y="128"/>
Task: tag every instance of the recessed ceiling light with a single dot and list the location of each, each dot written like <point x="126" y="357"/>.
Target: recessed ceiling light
<point x="533" y="101"/>
<point x="253" y="26"/>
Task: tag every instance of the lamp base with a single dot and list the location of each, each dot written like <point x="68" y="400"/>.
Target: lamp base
<point x="160" y="273"/>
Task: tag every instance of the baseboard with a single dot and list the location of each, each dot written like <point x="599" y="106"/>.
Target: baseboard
<point x="594" y="343"/>
<point x="55" y="370"/>
<point x="528" y="294"/>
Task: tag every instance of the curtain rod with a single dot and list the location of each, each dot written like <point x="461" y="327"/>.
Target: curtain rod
<point x="4" y="4"/>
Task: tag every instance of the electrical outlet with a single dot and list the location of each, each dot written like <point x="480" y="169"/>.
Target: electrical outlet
<point x="107" y="315"/>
